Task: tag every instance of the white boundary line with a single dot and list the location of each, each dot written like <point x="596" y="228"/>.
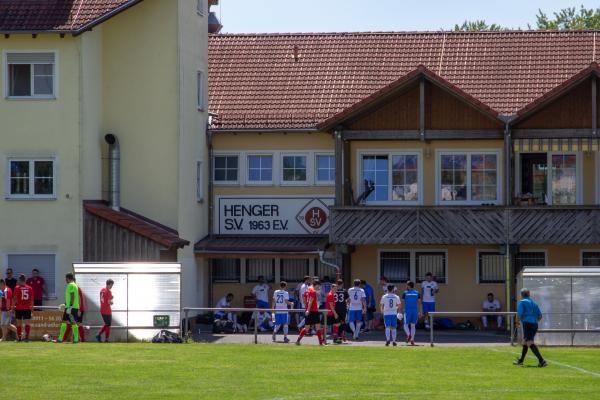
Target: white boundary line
<point x="584" y="371"/>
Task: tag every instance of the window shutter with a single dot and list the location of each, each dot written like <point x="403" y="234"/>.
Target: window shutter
<point x="30" y="58"/>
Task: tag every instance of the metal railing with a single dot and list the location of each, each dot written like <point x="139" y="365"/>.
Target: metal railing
<point x="511" y="319"/>
<point x="254" y="312"/>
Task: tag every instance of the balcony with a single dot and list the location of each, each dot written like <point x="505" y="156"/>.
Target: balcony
<point x="464" y="225"/>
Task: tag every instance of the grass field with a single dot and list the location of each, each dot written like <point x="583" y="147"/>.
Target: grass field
<point x="209" y="371"/>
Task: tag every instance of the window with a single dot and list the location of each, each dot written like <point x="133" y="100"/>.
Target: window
<point x="564" y="179"/>
<point x="199" y="182"/>
<point x="200" y="7"/>
<point x="468" y="178"/>
<point x="325" y="168"/>
<point x="491" y="267"/>
<point x="529" y="259"/>
<point x="590" y="259"/>
<point x="260" y="169"/>
<point x="294" y="269"/>
<point x="30" y="75"/>
<point x="256" y="267"/>
<point x="45" y="263"/>
<point x="375" y="172"/>
<point x="31" y="178"/>
<point x="225" y="270"/>
<point x="201" y="91"/>
<point x="405" y="174"/>
<point x="293" y="168"/>
<point x="434" y="262"/>
<point x="395" y="266"/>
<point x="226" y="169"/>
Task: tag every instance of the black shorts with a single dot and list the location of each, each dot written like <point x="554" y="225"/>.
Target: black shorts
<point x="341" y="317"/>
<point x="22" y="314"/>
<point x="80" y="318"/>
<point x="529" y="331"/>
<point x="72" y="318"/>
<point x="107" y="318"/>
<point x="313" y="318"/>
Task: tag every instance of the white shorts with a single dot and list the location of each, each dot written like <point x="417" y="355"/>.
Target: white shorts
<point x="5" y="318"/>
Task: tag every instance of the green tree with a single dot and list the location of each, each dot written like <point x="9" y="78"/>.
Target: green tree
<point x="477" y="26"/>
<point x="570" y="18"/>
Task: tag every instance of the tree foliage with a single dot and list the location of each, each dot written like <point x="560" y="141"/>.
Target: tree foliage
<point x="570" y="18"/>
<point x="477" y="26"/>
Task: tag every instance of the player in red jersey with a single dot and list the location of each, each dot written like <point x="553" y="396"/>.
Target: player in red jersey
<point x="332" y="315"/>
<point x="6" y="306"/>
<point x="39" y="287"/>
<point x="313" y="318"/>
<point x="23" y="297"/>
<point x="106" y="301"/>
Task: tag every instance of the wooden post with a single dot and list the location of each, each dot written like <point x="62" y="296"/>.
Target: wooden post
<point x="422" y="108"/>
<point x="594" y="106"/>
<point x="339" y="167"/>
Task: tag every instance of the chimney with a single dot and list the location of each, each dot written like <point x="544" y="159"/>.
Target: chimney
<point x="214" y="25"/>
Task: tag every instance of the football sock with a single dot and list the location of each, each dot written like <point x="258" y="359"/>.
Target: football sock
<point x="276" y="329"/>
<point x="107" y="331"/>
<point x="407" y="330"/>
<point x="63" y="330"/>
<point x="286" y="329"/>
<point x="81" y="333"/>
<point x="75" y="333"/>
<point x="352" y="327"/>
<point x="102" y="330"/>
<point x="524" y="352"/>
<point x="358" y="324"/>
<point x="19" y="330"/>
<point x="537" y="353"/>
<point x="320" y="335"/>
<point x="336" y="330"/>
<point x="301" y="334"/>
<point x="387" y="334"/>
<point x="413" y="330"/>
<point x="27" y="330"/>
<point x="393" y="334"/>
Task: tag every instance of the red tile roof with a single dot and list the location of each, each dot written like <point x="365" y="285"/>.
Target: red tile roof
<point x="74" y="16"/>
<point x="136" y="223"/>
<point x="261" y="244"/>
<point x="256" y="82"/>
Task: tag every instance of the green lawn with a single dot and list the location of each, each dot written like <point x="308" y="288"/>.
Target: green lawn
<point x="218" y="371"/>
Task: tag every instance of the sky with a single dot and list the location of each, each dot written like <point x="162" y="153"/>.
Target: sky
<point x="250" y="16"/>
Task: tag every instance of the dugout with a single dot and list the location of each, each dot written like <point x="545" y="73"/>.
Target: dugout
<point x="147" y="297"/>
<point x="569" y="298"/>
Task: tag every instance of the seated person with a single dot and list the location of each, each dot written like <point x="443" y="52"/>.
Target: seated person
<point x="223" y="303"/>
<point x="492" y="305"/>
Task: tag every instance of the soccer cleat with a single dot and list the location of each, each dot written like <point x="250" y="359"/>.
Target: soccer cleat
<point x="286" y="340"/>
<point x="412" y="343"/>
<point x="106" y="341"/>
<point x="518" y="362"/>
<point x="297" y="343"/>
<point x="394" y="344"/>
<point x="98" y="338"/>
<point x="387" y="343"/>
<point x="543" y="364"/>
<point x="408" y="339"/>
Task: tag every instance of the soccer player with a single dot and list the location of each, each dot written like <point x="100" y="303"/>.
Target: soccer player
<point x="261" y="294"/>
<point x="528" y="315"/>
<point x="340" y="298"/>
<point x="6" y="306"/>
<point x="390" y="307"/>
<point x="429" y="288"/>
<point x="370" y="300"/>
<point x="301" y="290"/>
<point x="312" y="317"/>
<point x="23" y="296"/>
<point x="356" y="307"/>
<point x="106" y="301"/>
<point x="71" y="313"/>
<point x="39" y="287"/>
<point x="281" y="301"/>
<point x="491" y="305"/>
<point x="330" y="305"/>
<point x="412" y="304"/>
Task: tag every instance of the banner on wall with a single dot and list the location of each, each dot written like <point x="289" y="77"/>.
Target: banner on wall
<point x="285" y="215"/>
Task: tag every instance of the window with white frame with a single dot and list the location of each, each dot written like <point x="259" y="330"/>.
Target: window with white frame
<point x="294" y="168"/>
<point x="45" y="263"/>
<point x="201" y="91"/>
<point x="405" y="177"/>
<point x="528" y="259"/>
<point x="30" y="75"/>
<point x="200" y="7"/>
<point x="468" y="177"/>
<point x="433" y="262"/>
<point x="226" y="168"/>
<point x="564" y="179"/>
<point x="395" y="177"/>
<point x="31" y="178"/>
<point x="257" y="267"/>
<point x="294" y="269"/>
<point x="375" y="172"/>
<point x="490" y="267"/>
<point x="325" y="168"/>
<point x="260" y="168"/>
<point x="225" y="270"/>
<point x="590" y="258"/>
<point x="395" y="266"/>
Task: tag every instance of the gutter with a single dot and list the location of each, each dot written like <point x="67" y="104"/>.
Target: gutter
<point x="268" y="130"/>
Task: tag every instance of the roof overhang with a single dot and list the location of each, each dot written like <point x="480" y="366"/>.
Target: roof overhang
<point x="225" y="246"/>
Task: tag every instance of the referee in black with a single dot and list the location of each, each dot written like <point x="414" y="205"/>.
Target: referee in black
<point x="528" y="315"/>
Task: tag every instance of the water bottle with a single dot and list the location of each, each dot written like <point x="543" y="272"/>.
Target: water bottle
<point x="585" y="324"/>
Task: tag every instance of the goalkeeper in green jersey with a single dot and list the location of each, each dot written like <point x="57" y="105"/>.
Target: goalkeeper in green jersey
<point x="71" y="313"/>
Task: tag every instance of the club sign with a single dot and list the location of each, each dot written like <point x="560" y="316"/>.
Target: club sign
<point x="273" y="215"/>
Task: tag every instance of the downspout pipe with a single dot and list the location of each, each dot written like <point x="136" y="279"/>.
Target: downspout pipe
<point x="338" y="269"/>
<point x="114" y="152"/>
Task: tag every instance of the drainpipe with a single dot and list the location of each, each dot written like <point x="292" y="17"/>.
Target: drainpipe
<point x="338" y="270"/>
<point x="114" y="171"/>
<point x="209" y="145"/>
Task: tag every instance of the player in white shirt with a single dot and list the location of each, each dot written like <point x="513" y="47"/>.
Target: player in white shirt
<point x="261" y="294"/>
<point x="390" y="308"/>
<point x="281" y="301"/>
<point x="301" y="290"/>
<point x="492" y="305"/>
<point x="429" y="288"/>
<point x="357" y="306"/>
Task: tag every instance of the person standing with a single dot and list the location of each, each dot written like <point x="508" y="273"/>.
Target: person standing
<point x="312" y="317"/>
<point x="412" y="304"/>
<point x="371" y="306"/>
<point x="82" y="310"/>
<point x="491" y="305"/>
<point x="340" y="298"/>
<point x="71" y="313"/>
<point x="10" y="280"/>
<point x="528" y="316"/>
<point x="429" y="288"/>
<point x="261" y="293"/>
<point x="23" y="296"/>
<point x="106" y="301"/>
<point x="6" y="306"/>
<point x="281" y="301"/>
<point x="390" y="307"/>
<point x="301" y="290"/>
<point x="357" y="307"/>
<point x="38" y="284"/>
